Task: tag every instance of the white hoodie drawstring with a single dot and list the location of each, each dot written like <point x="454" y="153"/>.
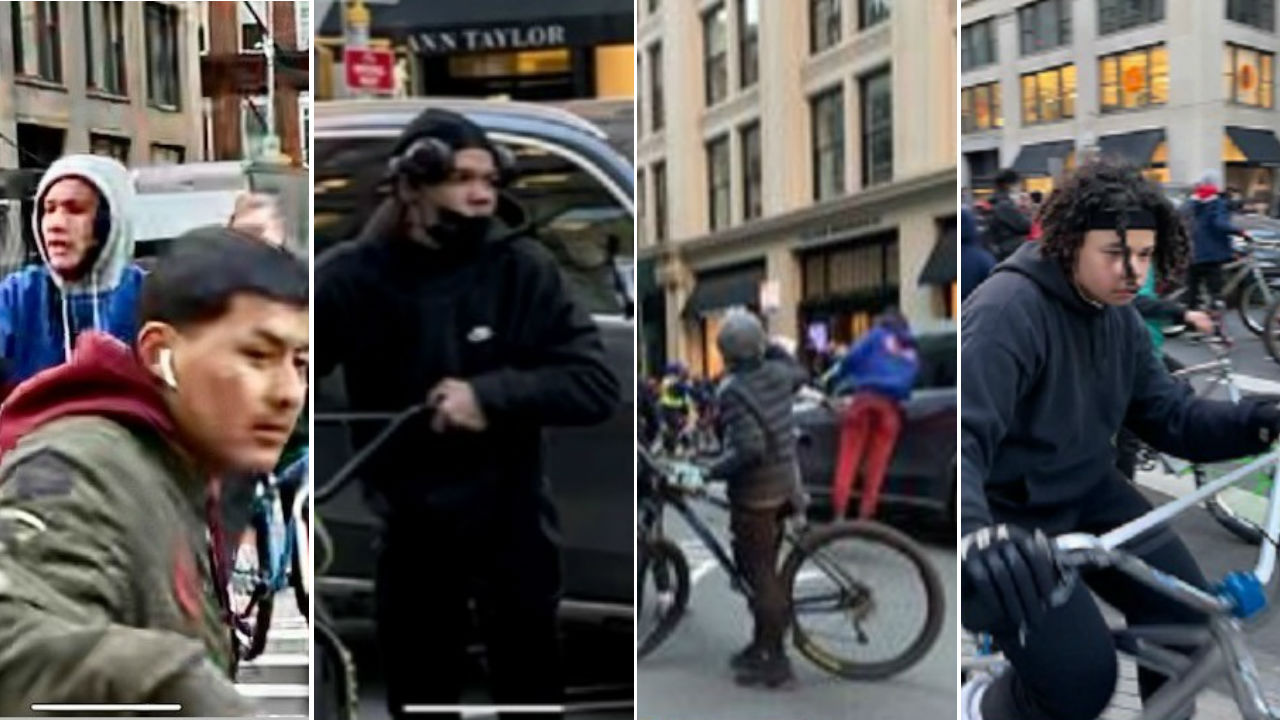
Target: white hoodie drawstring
<point x="93" y="299"/>
<point x="66" y="329"/>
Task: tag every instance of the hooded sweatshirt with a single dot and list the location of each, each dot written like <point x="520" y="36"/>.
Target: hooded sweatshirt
<point x="105" y="570"/>
<point x="1048" y="379"/>
<point x="399" y="317"/>
<point x="41" y="312"/>
<point x="883" y="361"/>
<point x="1211" y="226"/>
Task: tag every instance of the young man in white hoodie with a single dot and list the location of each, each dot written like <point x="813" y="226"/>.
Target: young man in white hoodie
<point x="87" y="280"/>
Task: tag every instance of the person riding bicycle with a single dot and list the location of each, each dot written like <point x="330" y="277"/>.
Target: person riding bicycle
<point x="675" y="398"/>
<point x="1210" y="218"/>
<point x="760" y="466"/>
<point x="1053" y="361"/>
<point x="110" y="591"/>
<point x="447" y="299"/>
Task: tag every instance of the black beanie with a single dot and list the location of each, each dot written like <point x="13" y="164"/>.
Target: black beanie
<point x="449" y="127"/>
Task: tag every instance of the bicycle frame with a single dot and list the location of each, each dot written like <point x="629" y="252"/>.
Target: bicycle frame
<point x="1220" y="646"/>
<point x="668" y="495"/>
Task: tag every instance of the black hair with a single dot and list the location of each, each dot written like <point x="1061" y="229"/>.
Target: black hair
<point x="1106" y="186"/>
<point x="196" y="280"/>
<point x="1006" y="178"/>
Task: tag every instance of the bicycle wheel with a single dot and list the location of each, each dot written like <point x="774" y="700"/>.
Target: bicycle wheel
<point x="661" y="561"/>
<point x="866" y="602"/>
<point x="1271" y="333"/>
<point x="336" y="693"/>
<point x="1241" y="508"/>
<point x="251" y="598"/>
<point x="1255" y="302"/>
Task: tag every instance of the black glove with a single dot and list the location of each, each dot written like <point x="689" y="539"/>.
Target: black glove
<point x="1007" y="576"/>
<point x="1266" y="418"/>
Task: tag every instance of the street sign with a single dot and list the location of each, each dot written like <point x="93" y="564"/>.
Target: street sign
<point x="370" y="70"/>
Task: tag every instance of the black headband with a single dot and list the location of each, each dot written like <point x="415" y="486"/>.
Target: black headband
<point x="1134" y="219"/>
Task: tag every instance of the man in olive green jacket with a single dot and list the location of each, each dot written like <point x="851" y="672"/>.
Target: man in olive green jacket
<point x="109" y="467"/>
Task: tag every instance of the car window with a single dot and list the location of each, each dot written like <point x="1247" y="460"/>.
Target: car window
<point x="569" y="210"/>
<point x="937" y="353"/>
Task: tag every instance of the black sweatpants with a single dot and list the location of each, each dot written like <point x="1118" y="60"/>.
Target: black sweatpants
<point x="430" y="568"/>
<point x="1210" y="274"/>
<point x="1067" y="669"/>
<point x="757" y="536"/>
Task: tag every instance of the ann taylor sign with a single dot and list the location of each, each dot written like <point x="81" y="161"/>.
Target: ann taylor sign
<point x="443" y="42"/>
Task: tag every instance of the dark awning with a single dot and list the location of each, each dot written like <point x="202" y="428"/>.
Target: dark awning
<point x="1260" y="146"/>
<point x="940" y="268"/>
<point x="725" y="289"/>
<point x="1135" y="147"/>
<point x="489" y="25"/>
<point x="1034" y="159"/>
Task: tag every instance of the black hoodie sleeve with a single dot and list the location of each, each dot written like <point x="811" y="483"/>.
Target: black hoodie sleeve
<point x="1168" y="416"/>
<point x="998" y="366"/>
<point x="336" y="304"/>
<point x="566" y="381"/>
<point x="1151" y="307"/>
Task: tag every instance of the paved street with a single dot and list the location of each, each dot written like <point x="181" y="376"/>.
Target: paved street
<point x="688" y="676"/>
<point x="277" y="681"/>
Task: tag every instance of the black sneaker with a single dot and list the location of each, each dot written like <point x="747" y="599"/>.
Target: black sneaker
<point x="745" y="657"/>
<point x="771" y="670"/>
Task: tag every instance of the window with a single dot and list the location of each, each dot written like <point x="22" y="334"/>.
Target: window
<point x="655" y="87"/>
<point x="715" y="52"/>
<point x="252" y="33"/>
<point x="162" y="56"/>
<point x="653" y="5"/>
<point x="1258" y="13"/>
<point x="104" y="46"/>
<point x="1044" y="25"/>
<point x="660" y="201"/>
<point x="827" y="111"/>
<point x="872" y="12"/>
<point x="752" y="171"/>
<point x="1117" y="15"/>
<point x="1249" y="76"/>
<point x="642" y="202"/>
<point x="824" y="24"/>
<point x="980" y="108"/>
<point x="168" y="154"/>
<point x="37" y="50"/>
<point x="748" y="42"/>
<point x="718" y="182"/>
<point x="877" y="128"/>
<point x="978" y="44"/>
<point x="1134" y="79"/>
<point x="110" y="145"/>
<point x="1049" y="95"/>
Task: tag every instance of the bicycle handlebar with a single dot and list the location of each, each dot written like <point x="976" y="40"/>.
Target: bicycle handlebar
<point x="344" y="475"/>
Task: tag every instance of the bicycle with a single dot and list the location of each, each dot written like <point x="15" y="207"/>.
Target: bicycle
<point x="275" y="563"/>
<point x="1219" y="647"/>
<point x="1271" y="331"/>
<point x="1248" y="285"/>
<point x="823" y="573"/>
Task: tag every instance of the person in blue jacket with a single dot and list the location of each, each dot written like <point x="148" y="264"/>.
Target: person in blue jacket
<point x="976" y="261"/>
<point x="1210" y="220"/>
<point x="881" y="368"/>
<point x="87" y="279"/>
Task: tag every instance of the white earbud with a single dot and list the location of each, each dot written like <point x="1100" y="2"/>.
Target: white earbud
<point x="166" y="368"/>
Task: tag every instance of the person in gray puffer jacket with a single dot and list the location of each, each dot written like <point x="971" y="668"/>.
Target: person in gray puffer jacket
<point x="759" y="465"/>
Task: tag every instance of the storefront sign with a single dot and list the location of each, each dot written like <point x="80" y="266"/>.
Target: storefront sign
<point x="371" y="70"/>
<point x="846" y="225"/>
<point x="770" y="296"/>
<point x="443" y="42"/>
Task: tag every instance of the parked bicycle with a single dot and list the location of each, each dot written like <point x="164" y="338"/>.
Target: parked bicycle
<point x="1251" y="285"/>
<point x="1207" y="652"/>
<point x="865" y="602"/>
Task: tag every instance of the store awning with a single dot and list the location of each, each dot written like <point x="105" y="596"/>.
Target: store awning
<point x="940" y="268"/>
<point x="725" y="289"/>
<point x="1034" y="159"/>
<point x="437" y="28"/>
<point x="1135" y="147"/>
<point x="1260" y="146"/>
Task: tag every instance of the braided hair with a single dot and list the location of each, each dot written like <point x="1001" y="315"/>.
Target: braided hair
<point x="1106" y="186"/>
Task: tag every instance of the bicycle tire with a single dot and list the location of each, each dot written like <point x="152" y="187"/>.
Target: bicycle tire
<point x="1223" y="508"/>
<point x="1252" y="307"/>
<point x="295" y="580"/>
<point x="336" y="691"/>
<point x="877" y="534"/>
<point x="1271" y="333"/>
<point x="671" y="575"/>
<point x="266" y="598"/>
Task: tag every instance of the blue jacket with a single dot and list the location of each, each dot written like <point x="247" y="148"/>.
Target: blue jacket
<point x="882" y="362"/>
<point x="41" y="313"/>
<point x="976" y="261"/>
<point x="1211" y="230"/>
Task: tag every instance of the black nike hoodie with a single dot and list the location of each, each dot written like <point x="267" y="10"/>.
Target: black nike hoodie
<point x="1048" y="379"/>
<point x="398" y="317"/>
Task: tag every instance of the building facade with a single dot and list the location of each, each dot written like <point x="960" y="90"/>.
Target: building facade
<point x="514" y="49"/>
<point x="1176" y="87"/>
<point x="795" y="158"/>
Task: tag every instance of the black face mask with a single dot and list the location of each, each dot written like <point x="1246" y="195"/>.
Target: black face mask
<point x="454" y="231"/>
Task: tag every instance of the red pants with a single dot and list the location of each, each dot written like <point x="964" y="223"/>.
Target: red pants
<point x="870" y="417"/>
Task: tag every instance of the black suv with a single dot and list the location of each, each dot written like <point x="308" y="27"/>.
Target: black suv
<point x="578" y="193"/>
